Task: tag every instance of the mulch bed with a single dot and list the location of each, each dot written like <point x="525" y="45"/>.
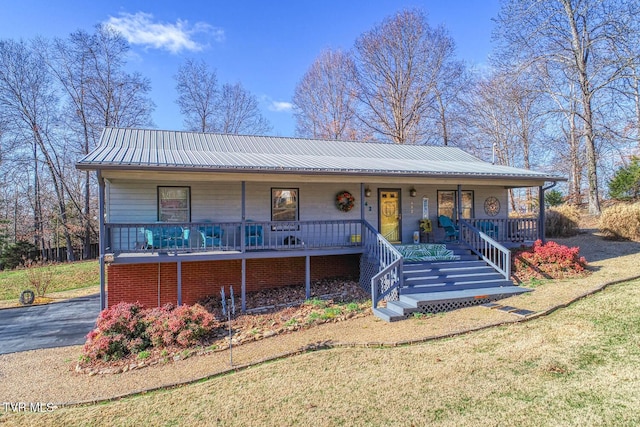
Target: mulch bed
<point x="269" y="313"/>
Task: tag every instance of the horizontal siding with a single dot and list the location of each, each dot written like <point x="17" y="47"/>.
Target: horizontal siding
<point x="136" y="202"/>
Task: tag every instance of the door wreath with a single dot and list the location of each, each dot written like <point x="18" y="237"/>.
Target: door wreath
<point x="344" y="201"/>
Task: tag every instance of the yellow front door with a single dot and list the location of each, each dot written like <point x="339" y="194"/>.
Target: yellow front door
<point x="390" y="215"/>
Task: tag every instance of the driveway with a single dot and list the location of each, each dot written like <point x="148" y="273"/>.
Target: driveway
<point x="45" y="326"/>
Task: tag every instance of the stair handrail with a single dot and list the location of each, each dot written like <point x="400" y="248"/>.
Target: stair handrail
<point x="386" y="283"/>
<point x="492" y="252"/>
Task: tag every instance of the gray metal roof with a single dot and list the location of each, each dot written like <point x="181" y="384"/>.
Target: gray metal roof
<point x="147" y="149"/>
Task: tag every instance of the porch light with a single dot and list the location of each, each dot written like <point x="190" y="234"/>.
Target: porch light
<point x="367" y="192"/>
<point x="413" y="192"/>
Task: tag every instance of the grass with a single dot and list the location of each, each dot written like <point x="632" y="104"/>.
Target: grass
<point x="66" y="277"/>
<point x="577" y="366"/>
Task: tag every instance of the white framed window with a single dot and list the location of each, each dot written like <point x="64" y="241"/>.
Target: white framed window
<point x="448" y="201"/>
<point x="284" y="204"/>
<point x="174" y="204"/>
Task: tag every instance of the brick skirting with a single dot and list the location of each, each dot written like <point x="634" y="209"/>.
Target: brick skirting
<point x="157" y="284"/>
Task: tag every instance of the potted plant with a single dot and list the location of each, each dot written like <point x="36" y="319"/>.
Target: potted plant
<point x="425" y="229"/>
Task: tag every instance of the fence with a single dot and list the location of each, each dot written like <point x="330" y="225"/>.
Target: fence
<point x="60" y="254"/>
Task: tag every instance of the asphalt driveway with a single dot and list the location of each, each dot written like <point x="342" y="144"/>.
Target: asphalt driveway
<point x="46" y="326"/>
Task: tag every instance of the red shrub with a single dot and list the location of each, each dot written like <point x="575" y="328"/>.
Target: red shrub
<point x="128" y="328"/>
<point x="182" y="326"/>
<point x="549" y="260"/>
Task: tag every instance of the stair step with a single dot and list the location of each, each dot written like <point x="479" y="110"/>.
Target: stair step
<point x="454" y="276"/>
<point x="399" y="306"/>
<point x="387" y="315"/>
<point x="449" y="272"/>
<point x="438" y="265"/>
<point x="454" y="286"/>
<point x="430" y="297"/>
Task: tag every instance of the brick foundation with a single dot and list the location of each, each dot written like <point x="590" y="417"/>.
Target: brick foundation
<point x="141" y="282"/>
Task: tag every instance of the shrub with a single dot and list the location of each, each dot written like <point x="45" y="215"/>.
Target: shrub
<point x="183" y="326"/>
<point x="39" y="276"/>
<point x="127" y="328"/>
<point x="561" y="221"/>
<point x="119" y="332"/>
<point x="621" y="222"/>
<point x="550" y="260"/>
<point x="15" y="254"/>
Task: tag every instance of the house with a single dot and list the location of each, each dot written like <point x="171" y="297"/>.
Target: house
<point x="184" y="213"/>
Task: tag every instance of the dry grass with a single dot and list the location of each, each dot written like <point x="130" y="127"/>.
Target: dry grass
<point x="575" y="367"/>
<point x="562" y="221"/>
<point x="621" y="222"/>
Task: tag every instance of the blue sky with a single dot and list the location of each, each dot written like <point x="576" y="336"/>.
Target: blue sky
<point x="265" y="45"/>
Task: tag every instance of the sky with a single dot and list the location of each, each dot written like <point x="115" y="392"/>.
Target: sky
<point x="267" y="46"/>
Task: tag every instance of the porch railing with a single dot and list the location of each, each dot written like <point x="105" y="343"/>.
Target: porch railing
<point x="231" y="236"/>
<point x="381" y="266"/>
<point x="508" y="229"/>
<point x="492" y="252"/>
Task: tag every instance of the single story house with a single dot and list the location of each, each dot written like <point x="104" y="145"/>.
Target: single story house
<point x="184" y="213"/>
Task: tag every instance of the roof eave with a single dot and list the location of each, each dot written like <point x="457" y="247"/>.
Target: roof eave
<point x="319" y="171"/>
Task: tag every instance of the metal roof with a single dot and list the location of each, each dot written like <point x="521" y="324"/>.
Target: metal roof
<point x="147" y="149"/>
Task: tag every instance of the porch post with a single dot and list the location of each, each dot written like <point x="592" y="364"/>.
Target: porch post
<point x="541" y="214"/>
<point x="362" y="201"/>
<point x="179" y="282"/>
<point x="101" y="239"/>
<point x="307" y="276"/>
<point x="459" y="203"/>
<point x="243" y="286"/>
<point x="243" y="220"/>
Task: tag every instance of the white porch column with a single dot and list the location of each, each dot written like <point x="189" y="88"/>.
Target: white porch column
<point x="459" y="203"/>
<point x="541" y="214"/>
<point x="101" y="239"/>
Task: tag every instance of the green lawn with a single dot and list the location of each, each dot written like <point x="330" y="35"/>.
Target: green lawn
<point x="65" y="277"/>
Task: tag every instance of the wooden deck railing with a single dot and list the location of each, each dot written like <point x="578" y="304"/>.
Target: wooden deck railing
<point x="381" y="266"/>
<point x="492" y="252"/>
<point x="508" y="229"/>
<point x="231" y="236"/>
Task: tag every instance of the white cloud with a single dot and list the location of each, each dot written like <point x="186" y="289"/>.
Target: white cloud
<point x="280" y="106"/>
<point x="139" y="28"/>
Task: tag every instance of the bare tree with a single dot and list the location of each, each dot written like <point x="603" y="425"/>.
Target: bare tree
<point x="325" y="99"/>
<point x="28" y="101"/>
<point x="197" y="88"/>
<point x="239" y="112"/>
<point x="447" y="113"/>
<point x="398" y="65"/>
<point x="575" y="37"/>
<point x="207" y="108"/>
<point x="89" y="67"/>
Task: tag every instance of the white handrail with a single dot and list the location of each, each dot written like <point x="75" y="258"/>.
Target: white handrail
<point x="492" y="252"/>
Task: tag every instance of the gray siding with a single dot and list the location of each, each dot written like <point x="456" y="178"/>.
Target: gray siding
<point x="136" y="202"/>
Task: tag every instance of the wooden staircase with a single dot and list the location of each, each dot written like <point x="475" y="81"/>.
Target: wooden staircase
<point x="438" y="286"/>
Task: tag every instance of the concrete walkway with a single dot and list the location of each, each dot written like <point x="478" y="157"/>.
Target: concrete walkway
<point x="47" y="326"/>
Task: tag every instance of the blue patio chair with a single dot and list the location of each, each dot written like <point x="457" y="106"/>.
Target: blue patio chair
<point x="166" y="237"/>
<point x="450" y="230"/>
<point x="488" y="228"/>
<point x="211" y="235"/>
<point x="253" y="235"/>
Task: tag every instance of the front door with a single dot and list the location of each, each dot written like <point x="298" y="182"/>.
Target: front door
<point x="390" y="215"/>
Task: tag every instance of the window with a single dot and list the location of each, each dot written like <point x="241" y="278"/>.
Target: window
<point x="174" y="204"/>
<point x="284" y="204"/>
<point x="448" y="200"/>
